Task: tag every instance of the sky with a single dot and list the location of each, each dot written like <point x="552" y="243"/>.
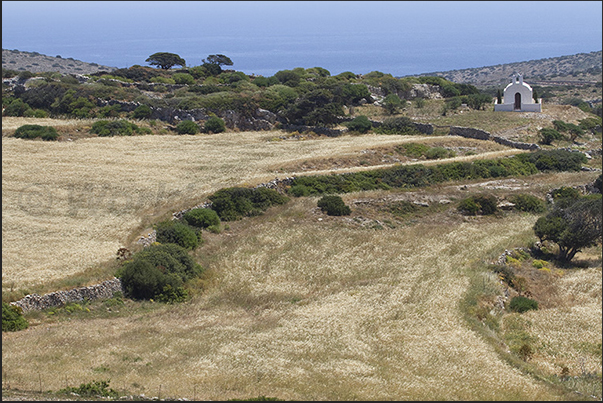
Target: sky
<point x="263" y="37"/>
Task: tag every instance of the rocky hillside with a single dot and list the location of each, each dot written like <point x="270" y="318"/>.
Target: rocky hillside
<point x="579" y="68"/>
<point x="36" y="62"/>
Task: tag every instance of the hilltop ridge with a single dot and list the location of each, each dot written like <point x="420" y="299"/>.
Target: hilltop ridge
<point x="37" y="63"/>
<point x="579" y="68"/>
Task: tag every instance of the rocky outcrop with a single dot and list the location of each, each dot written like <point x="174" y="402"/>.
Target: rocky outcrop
<point x="262" y="119"/>
<point x="104" y="290"/>
<point x="426" y="91"/>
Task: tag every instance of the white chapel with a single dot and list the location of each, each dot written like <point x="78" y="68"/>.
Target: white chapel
<point x="518" y="97"/>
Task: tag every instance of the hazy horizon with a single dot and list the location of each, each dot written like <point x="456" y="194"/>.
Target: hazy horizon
<point x="397" y="37"/>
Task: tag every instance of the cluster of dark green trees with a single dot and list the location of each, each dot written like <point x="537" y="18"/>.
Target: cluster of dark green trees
<point x="568" y="131"/>
<point x="298" y="96"/>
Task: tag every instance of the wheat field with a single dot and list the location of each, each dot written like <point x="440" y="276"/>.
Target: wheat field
<point x="314" y="311"/>
<point x="295" y="304"/>
<point x="68" y="206"/>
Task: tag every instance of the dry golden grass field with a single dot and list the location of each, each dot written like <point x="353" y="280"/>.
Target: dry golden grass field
<point x="68" y="206"/>
<point x="293" y="304"/>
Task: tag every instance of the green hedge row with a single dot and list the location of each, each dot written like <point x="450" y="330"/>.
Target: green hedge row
<point x="410" y="176"/>
<point x="237" y="202"/>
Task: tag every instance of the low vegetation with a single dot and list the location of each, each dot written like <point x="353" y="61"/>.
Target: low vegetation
<point x="333" y="205"/>
<point x="340" y="278"/>
<point x="12" y="318"/>
<point x="36" y="131"/>
<point x="159" y="272"/>
<point x="235" y="203"/>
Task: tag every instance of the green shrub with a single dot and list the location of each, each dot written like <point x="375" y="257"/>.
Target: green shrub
<point x="415" y="150"/>
<point x="40" y="113"/>
<point x="522" y="304"/>
<point x="106" y="128"/>
<point x="152" y="269"/>
<point x="163" y="80"/>
<point x="238" y="202"/>
<point x="214" y="125"/>
<point x="34" y="131"/>
<point x="565" y="192"/>
<point x="16" y="108"/>
<point x="92" y="389"/>
<point x="397" y="125"/>
<point x="333" y="205"/>
<point x="438" y="152"/>
<point x="468" y="206"/>
<point x="142" y="112"/>
<point x="187" y="127"/>
<point x="177" y="233"/>
<point x="201" y="218"/>
<point x="539" y="264"/>
<point x="183" y="78"/>
<point x="528" y="203"/>
<point x="12" y="318"/>
<point x="360" y="124"/>
<point x="555" y="160"/>
<point x="548" y="135"/>
<point x="478" y="204"/>
<point x="171" y="295"/>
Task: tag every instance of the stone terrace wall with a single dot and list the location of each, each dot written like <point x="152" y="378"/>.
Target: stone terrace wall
<point x="104" y="290"/>
<point x="478" y="134"/>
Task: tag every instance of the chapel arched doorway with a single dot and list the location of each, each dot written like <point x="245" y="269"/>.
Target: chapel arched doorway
<point x="517" y="101"/>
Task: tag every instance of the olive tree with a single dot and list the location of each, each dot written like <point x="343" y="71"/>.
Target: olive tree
<point x="573" y="226"/>
<point x="213" y="64"/>
<point x="165" y="60"/>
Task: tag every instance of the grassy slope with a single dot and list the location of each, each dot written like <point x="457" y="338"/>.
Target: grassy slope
<point x="294" y="307"/>
<point x="362" y="315"/>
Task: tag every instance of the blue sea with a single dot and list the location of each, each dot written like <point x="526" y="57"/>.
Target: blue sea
<point x="400" y="38"/>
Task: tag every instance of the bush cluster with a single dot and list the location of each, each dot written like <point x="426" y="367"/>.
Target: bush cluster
<point x="237" y="202"/>
<point x="156" y="270"/>
<point x="12" y="318"/>
<point x="201" y="218"/>
<point x="36" y="131"/>
<point x="528" y="203"/>
<point x="92" y="389"/>
<point x="397" y="125"/>
<point x="555" y="160"/>
<point x="415" y="150"/>
<point x="178" y="233"/>
<point x="106" y="128"/>
<point x="478" y="204"/>
<point x="548" y="135"/>
<point x="214" y="125"/>
<point x="360" y="124"/>
<point x="187" y="127"/>
<point x="522" y="304"/>
<point x="333" y="205"/>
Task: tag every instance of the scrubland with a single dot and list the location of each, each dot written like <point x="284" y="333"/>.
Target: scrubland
<point x="293" y="304"/>
<point x="302" y="309"/>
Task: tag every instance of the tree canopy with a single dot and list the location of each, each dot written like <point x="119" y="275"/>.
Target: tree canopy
<point x="214" y="63"/>
<point x="165" y="60"/>
<point x="573" y="226"/>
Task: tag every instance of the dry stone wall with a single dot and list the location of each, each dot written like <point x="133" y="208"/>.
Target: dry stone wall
<point x="479" y="134"/>
<point x="104" y="290"/>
